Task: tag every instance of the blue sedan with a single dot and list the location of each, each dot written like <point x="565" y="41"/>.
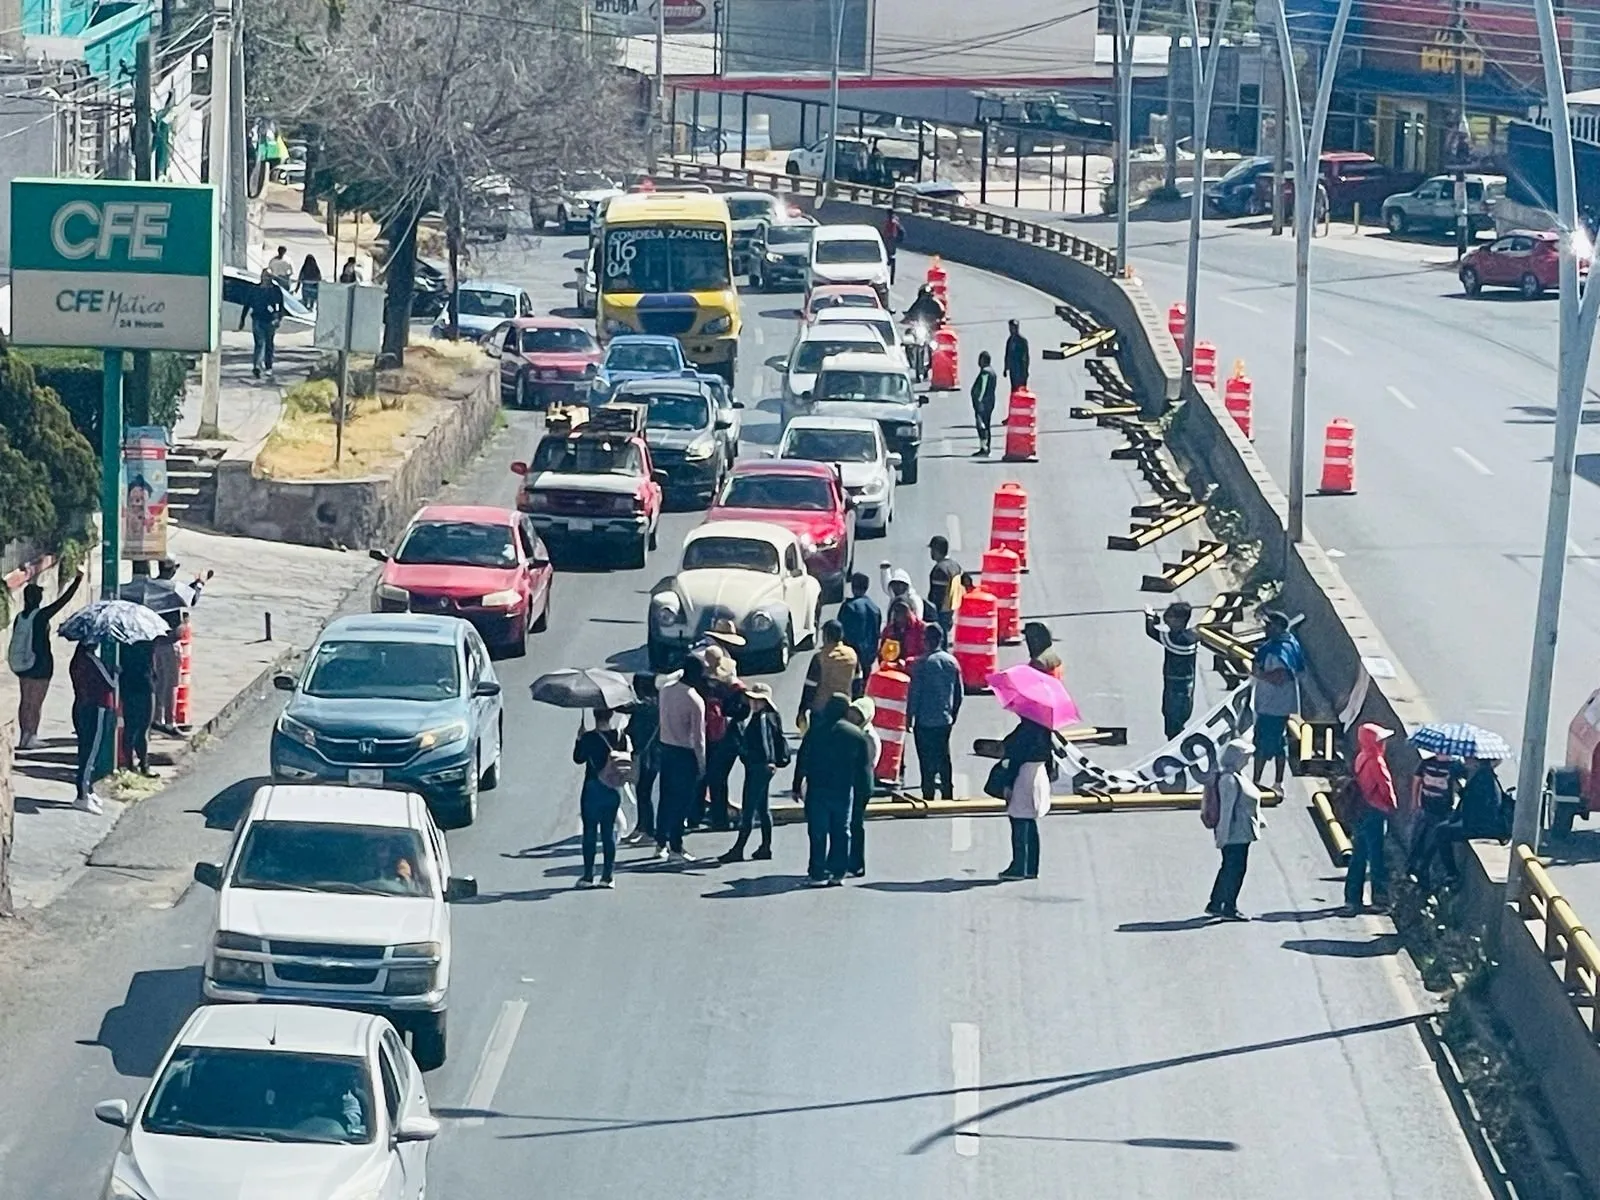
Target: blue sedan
<point x="631" y="356"/>
<point x="397" y="700"/>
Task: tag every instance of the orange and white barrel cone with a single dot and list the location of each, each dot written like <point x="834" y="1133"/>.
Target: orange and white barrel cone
<point x="1002" y="579"/>
<point x="889" y="689"/>
<point x="1008" y="527"/>
<point x="1339" y="458"/>
<point x="976" y="639"/>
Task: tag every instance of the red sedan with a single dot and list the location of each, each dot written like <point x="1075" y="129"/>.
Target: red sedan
<point x="804" y="497"/>
<point x="1526" y="259"/>
<point x="544" y="360"/>
<point x="485" y="565"/>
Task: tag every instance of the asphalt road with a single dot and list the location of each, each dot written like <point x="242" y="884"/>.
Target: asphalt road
<point x="718" y="1031"/>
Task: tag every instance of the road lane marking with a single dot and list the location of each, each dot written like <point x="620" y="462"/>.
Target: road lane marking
<point x="496" y="1054"/>
<point x="964" y="1064"/>
<point x="952" y="528"/>
<point x="1401" y="396"/>
<point x="1325" y="338"/>
<point x="1241" y="304"/>
<point x="1471" y="462"/>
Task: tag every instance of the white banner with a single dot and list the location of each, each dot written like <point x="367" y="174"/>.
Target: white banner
<point x="639" y="16"/>
<point x="1179" y="766"/>
<point x="113" y="309"/>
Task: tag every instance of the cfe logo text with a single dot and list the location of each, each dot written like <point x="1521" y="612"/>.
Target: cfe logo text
<point x="83" y="229"/>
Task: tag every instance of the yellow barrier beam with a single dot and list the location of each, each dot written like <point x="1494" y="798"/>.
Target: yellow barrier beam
<point x="791" y="813"/>
<point x="1142" y="535"/>
<point x="1338" y="841"/>
<point x="1174" y="575"/>
<point x="1096" y="412"/>
<point x="1093" y="341"/>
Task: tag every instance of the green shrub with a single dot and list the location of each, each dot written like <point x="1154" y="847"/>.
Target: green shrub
<point x="363" y="378"/>
<point x="49" y="476"/>
<point x="77" y="378"/>
<point x="312" y="396"/>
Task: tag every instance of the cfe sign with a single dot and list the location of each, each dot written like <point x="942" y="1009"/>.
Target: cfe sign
<point x="113" y="265"/>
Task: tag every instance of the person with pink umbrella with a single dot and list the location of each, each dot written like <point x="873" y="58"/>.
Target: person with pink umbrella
<point x="1027" y="766"/>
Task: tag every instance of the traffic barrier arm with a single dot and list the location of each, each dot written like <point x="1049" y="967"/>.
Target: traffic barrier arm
<point x="1142" y="535"/>
<point x="1566" y="944"/>
<point x="1333" y="834"/>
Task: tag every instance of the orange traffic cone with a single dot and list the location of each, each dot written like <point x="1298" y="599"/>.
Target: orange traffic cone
<point x="1339" y="458"/>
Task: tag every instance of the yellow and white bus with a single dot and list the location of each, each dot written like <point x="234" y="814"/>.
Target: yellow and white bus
<point x="665" y="265"/>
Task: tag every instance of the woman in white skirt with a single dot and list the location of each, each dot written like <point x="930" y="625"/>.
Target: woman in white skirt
<point x="1029" y="754"/>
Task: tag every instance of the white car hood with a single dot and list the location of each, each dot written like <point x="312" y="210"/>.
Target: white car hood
<point x="567" y="481"/>
<point x="739" y="591"/>
<point x="849" y="273"/>
<point x="330" y="917"/>
<point x="867" y="475"/>
<point x="197" y="1168"/>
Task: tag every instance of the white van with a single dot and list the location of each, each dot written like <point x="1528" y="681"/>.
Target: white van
<point x="849" y="254"/>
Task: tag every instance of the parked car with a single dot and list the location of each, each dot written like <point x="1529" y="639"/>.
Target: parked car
<point x="779" y="255"/>
<point x="574" y="204"/>
<point x="750" y="571"/>
<point x="1526" y="259"/>
<point x="849" y="254"/>
<point x="337" y="896"/>
<point x="855" y="446"/>
<point x="480" y="308"/>
<point x="812" y="345"/>
<point x="1350" y="177"/>
<point x="868" y="386"/>
<point x="688" y="443"/>
<point x="483" y="564"/>
<point x="1431" y="205"/>
<point x="808" y="499"/>
<point x="593" y="488"/>
<point x="749" y="211"/>
<point x="395" y="700"/>
<point x="1234" y="195"/>
<point x="280" y="1099"/>
<point x="630" y="356"/>
<point x="830" y="295"/>
<point x="544" y="361"/>
<point x="899" y="157"/>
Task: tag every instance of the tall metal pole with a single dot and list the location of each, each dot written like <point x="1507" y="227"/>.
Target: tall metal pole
<point x="1279" y="116"/>
<point x="221" y="87"/>
<point x="1577" y="323"/>
<point x="1127" y="31"/>
<point x="110" y="473"/>
<point x="1203" y="86"/>
<point x="1308" y="153"/>
<point x="659" y="117"/>
<point x="831" y="155"/>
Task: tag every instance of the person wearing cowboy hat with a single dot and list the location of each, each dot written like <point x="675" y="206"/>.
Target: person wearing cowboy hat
<point x="763" y="750"/>
<point x="723" y="634"/>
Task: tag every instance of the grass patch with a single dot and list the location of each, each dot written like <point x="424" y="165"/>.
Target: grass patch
<point x="301" y="444"/>
<point x="130" y="786"/>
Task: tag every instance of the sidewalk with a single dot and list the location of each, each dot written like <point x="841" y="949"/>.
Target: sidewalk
<point x="299" y="586"/>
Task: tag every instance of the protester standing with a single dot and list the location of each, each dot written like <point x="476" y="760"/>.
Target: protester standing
<point x="607" y="758"/>
<point x="893" y="234"/>
<point x="831" y="772"/>
<point x="1481" y="814"/>
<point x="1372" y="804"/>
<point x="764" y="750"/>
<point x="862" y="623"/>
<point x="94" y="707"/>
<point x="897" y="586"/>
<point x="682" y="734"/>
<point x="932" y="705"/>
<point x="1029" y="756"/>
<point x="30" y="657"/>
<point x="902" y="636"/>
<point x="264" y="308"/>
<point x="1238" y="817"/>
<point x="349" y="273"/>
<point x="1180" y="647"/>
<point x="1275" y="672"/>
<point x="944" y="582"/>
<point x="310" y="281"/>
<point x="833" y="672"/>
<point x="726" y="706"/>
<point x="860" y="714"/>
<point x="644" y="724"/>
<point x="136" y="690"/>
<point x="1435" y="787"/>
<point x="1017" y="356"/>
<point x="984" y="387"/>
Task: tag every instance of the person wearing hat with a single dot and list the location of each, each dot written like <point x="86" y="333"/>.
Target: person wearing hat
<point x="726" y="706"/>
<point x="1238" y="824"/>
<point x="763" y="750"/>
<point x="1374" y="804"/>
<point x="860" y="714"/>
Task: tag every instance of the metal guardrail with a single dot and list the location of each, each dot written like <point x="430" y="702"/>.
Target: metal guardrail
<point x="1050" y="237"/>
<point x="1566" y="944"/>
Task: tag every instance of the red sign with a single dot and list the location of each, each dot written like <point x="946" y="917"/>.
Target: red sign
<point x="682" y="13"/>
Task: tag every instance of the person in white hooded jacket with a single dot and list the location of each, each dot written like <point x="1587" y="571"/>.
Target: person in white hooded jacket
<point x="1238" y="824"/>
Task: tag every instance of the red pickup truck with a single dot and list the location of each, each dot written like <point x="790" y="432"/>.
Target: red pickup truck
<point x="1351" y="177"/>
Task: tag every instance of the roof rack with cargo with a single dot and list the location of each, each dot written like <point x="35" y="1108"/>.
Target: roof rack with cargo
<point x="619" y="418"/>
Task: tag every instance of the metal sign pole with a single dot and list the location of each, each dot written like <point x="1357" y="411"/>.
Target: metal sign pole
<point x="111" y="527"/>
<point x="344" y="374"/>
<point x="1202" y="88"/>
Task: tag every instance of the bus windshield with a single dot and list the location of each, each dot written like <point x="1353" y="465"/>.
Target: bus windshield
<point x="666" y="258"/>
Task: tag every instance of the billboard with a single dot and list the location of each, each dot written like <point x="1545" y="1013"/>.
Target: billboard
<point x="634" y="17"/>
<point x="144" y="493"/>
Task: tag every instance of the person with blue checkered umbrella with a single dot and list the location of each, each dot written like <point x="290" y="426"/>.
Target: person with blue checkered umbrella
<point x="1484" y="806"/>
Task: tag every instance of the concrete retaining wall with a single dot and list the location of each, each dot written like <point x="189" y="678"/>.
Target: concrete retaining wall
<point x="366" y="512"/>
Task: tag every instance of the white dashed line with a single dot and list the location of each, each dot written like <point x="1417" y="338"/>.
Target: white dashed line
<point x="964" y="1063"/>
<point x="1329" y="341"/>
<point x="1240" y="304"/>
<point x="496" y="1054"/>
<point x="1471" y="462"/>
<point x="1401" y="396"/>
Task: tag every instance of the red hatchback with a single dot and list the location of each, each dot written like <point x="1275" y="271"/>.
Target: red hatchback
<point x="485" y="565"/>
<point x="1526" y="259"/>
<point x="804" y="497"/>
<point x="544" y="360"/>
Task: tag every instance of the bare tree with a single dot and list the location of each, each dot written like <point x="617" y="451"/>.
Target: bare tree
<point x="419" y="101"/>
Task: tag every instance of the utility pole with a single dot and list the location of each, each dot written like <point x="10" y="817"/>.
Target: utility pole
<point x="137" y="397"/>
<point x="1203" y="79"/>
<point x="830" y="160"/>
<point x="221" y="88"/>
<point x="1169" y="184"/>
<point x="1275" y="76"/>
<point x="1463" y="136"/>
<point x="659" y="104"/>
<point x="1127" y="31"/>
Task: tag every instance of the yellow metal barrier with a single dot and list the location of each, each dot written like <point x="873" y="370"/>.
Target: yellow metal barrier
<point x="908" y="806"/>
<point x="1566" y="944"/>
<point x="1339" y="847"/>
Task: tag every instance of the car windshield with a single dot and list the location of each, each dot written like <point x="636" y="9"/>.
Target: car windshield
<point x="303" y="856"/>
<point x="882" y="326"/>
<point x="588" y="456"/>
<point x="843" y="300"/>
<point x="262" y="1096"/>
<point x="804" y="493"/>
<point x="743" y="210"/>
<point x="831" y="445"/>
<point x="808" y="358"/>
<point x="458" y="544"/>
<point x="848" y="252"/>
<point x="475" y="303"/>
<point x="1240" y="169"/>
<point x="730" y="553"/>
<point x="666" y="258"/>
<point x="789" y="235"/>
<point x="647" y="356"/>
<point x="890" y="386"/>
<point x="557" y="341"/>
<point x="363" y="670"/>
<point x="674" y="411"/>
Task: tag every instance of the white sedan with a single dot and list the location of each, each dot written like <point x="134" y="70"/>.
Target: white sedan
<point x="278" y="1101"/>
<point x="748" y="571"/>
<point x="855" y="446"/>
<point x="880" y="321"/>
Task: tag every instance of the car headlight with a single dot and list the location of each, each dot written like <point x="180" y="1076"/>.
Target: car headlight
<point x="297" y="731"/>
<point x="503" y="599"/>
<point x="701" y="447"/>
<point x="830" y="542"/>
<point x="535" y="501"/>
<point x="717" y="325"/>
<point x="416" y="950"/>
<point x="408" y="981"/>
<point x="237" y="970"/>
<point x="388" y="591"/>
<point x="665" y="609"/>
<point x="456" y="731"/>
<point x="612" y="325"/>
<point x="874" y="490"/>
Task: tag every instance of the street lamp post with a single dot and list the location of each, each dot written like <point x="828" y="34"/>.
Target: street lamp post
<point x="831" y="159"/>
<point x="1127" y="30"/>
<point x="1202" y="87"/>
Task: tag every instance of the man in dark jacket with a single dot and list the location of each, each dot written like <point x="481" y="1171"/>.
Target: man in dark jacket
<point x="1016" y="367"/>
<point x="833" y="769"/>
<point x="264" y="309"/>
<point x="763" y="750"/>
<point x="644" y="725"/>
<point x="862" y="622"/>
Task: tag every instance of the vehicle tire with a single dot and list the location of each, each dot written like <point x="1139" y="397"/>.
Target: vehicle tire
<point x="792" y="169"/>
<point x="833" y="593"/>
<point x="1470" y="283"/>
<point x="428" y="1038"/>
<point x="520" y="399"/>
<point x="777" y="661"/>
<point x="908" y="468"/>
<point x="635" y="558"/>
<point x="491" y="777"/>
<point x="1253" y="207"/>
<point x="463" y="812"/>
<point x="543" y="623"/>
<point x="1530" y="287"/>
<point x="1395" y="220"/>
<point x="518" y="646"/>
<point x="1561" y="817"/>
<point x="535" y="217"/>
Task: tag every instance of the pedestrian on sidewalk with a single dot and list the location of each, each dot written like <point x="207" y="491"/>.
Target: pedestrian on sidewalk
<point x="861" y="714"/>
<point x="607" y="758"/>
<point x="1028" y="755"/>
<point x="644" y="725"/>
<point x="350" y="273"/>
<point x="984" y="387"/>
<point x="164" y="670"/>
<point x="279" y="269"/>
<point x="136" y="690"/>
<point x="833" y="672"/>
<point x="1042" y="654"/>
<point x="862" y="623"/>
<point x="30" y="659"/>
<point x="1016" y="355"/>
<point x="1180" y="646"/>
<point x="1370" y="806"/>
<point x="944" y="582"/>
<point x="1484" y="812"/>
<point x="310" y="281"/>
<point x="763" y="750"/>
<point x="683" y="756"/>
<point x="94" y="710"/>
<point x="1275" y="670"/>
<point x="933" y="703"/>
<point x="264" y="309"/>
<point x="831" y="772"/>
<point x="1238" y="823"/>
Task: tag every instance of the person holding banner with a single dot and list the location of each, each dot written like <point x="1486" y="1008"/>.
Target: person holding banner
<point x="1237" y="818"/>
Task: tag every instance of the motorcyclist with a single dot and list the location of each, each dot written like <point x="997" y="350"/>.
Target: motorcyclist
<point x="925" y="308"/>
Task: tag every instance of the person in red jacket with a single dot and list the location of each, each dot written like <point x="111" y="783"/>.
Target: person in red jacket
<point x="1375" y="804"/>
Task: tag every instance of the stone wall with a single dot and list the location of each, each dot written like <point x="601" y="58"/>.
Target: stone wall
<point x="366" y="512"/>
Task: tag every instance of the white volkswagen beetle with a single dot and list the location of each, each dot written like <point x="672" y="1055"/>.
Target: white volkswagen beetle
<point x="748" y="571"/>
